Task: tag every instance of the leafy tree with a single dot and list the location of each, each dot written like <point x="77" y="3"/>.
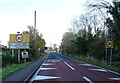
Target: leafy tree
<point x="81" y="45"/>
<point x="110" y="11"/>
<point x="68" y="46"/>
<point x="36" y="41"/>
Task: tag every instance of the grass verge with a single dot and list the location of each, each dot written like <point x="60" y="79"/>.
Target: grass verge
<point x="15" y="67"/>
<point x="113" y="68"/>
<point x="12" y="68"/>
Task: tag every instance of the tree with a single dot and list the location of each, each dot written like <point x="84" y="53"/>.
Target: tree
<point x="110" y="11"/>
<point x="36" y="41"/>
<point x="67" y="44"/>
<point x="81" y="45"/>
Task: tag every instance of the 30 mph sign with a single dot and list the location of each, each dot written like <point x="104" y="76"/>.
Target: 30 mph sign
<point x="109" y="44"/>
<point x="19" y="38"/>
<point x="19" y="41"/>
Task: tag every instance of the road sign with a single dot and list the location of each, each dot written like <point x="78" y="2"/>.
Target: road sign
<point x="19" y="41"/>
<point x="24" y="54"/>
<point x="19" y="46"/>
<point x="19" y="38"/>
<point x="109" y="44"/>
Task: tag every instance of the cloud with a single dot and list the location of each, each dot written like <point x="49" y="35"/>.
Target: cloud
<point x="53" y="17"/>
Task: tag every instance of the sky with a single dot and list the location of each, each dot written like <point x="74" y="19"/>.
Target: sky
<point x="53" y="17"/>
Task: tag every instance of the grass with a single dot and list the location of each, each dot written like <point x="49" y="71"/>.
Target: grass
<point x="113" y="68"/>
<point x="15" y="67"/>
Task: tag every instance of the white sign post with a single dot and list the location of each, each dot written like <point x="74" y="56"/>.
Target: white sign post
<point x="12" y="52"/>
<point x="18" y="55"/>
<point x="25" y="55"/>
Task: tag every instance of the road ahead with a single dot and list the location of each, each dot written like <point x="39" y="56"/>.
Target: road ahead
<point x="59" y="68"/>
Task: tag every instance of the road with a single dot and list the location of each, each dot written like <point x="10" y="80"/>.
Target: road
<point x="59" y="68"/>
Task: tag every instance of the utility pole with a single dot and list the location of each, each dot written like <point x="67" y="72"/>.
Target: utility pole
<point x="35" y="29"/>
<point x="35" y="20"/>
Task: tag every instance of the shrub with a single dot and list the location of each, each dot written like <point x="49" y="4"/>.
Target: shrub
<point x="8" y="60"/>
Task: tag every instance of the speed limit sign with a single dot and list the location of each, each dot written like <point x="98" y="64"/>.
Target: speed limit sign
<point x="109" y="44"/>
<point x="19" y="38"/>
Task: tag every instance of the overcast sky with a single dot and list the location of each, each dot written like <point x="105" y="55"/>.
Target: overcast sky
<point x="53" y="17"/>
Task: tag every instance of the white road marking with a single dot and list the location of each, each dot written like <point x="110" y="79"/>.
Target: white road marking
<point x="69" y="66"/>
<point x="59" y="58"/>
<point x="53" y="60"/>
<point x="98" y="70"/>
<point x="38" y="71"/>
<point x="45" y="77"/>
<point x="47" y="68"/>
<point x="47" y="64"/>
<point x="85" y="64"/>
<point x="88" y="80"/>
<point x="114" y="78"/>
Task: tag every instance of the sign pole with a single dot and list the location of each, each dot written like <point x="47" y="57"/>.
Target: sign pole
<point x="111" y="57"/>
<point x="12" y="52"/>
<point x="18" y="55"/>
<point x="106" y="57"/>
<point x="109" y="46"/>
<point x="25" y="58"/>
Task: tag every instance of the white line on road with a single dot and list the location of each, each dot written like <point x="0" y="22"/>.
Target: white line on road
<point x="114" y="78"/>
<point x="45" y="77"/>
<point x="85" y="64"/>
<point x="100" y="67"/>
<point x="88" y="80"/>
<point x="59" y="57"/>
<point x="98" y="70"/>
<point x="37" y="71"/>
<point x="54" y="60"/>
<point x="69" y="66"/>
<point x="47" y="68"/>
<point x="47" y="64"/>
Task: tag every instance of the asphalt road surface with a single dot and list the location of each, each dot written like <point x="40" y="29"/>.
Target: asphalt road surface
<point x="58" y="68"/>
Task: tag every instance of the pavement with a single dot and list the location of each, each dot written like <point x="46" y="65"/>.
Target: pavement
<point x="61" y="69"/>
<point x="23" y="75"/>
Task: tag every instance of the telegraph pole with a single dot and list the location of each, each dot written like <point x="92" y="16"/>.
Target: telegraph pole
<point x="35" y="29"/>
<point x="35" y="20"/>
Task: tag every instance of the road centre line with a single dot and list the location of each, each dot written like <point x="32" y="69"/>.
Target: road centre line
<point x="88" y="80"/>
<point x="69" y="66"/>
<point x="59" y="57"/>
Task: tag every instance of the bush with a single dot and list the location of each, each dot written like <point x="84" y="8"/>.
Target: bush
<point x="8" y="60"/>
